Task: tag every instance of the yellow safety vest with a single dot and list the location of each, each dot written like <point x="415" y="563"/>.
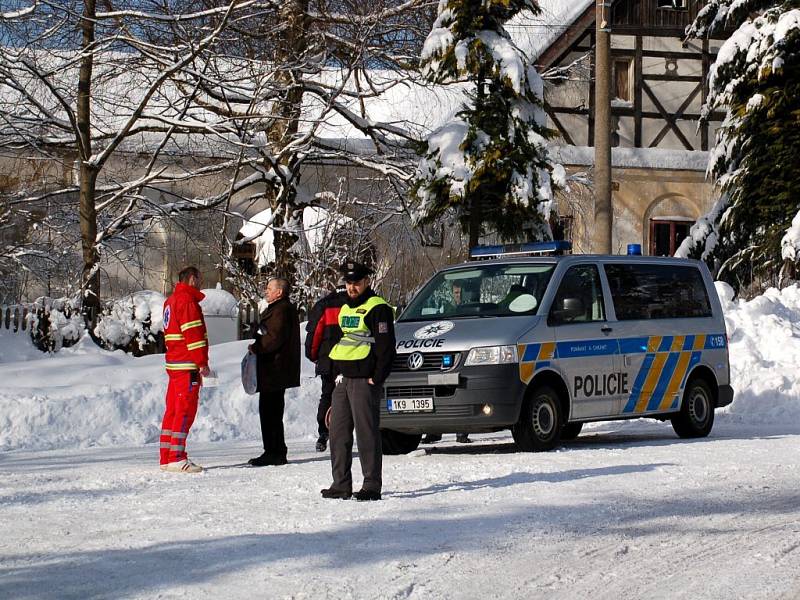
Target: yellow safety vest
<point x="356" y="340"/>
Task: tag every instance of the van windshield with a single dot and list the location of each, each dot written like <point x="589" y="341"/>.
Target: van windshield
<point x="481" y="290"/>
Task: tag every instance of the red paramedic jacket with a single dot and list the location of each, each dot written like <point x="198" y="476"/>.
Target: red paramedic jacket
<point x="185" y="330"/>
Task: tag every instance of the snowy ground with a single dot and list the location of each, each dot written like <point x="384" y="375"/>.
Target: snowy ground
<point x="626" y="511"/>
<point x="631" y="512"/>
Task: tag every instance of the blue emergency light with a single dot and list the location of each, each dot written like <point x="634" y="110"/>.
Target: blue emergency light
<point x="634" y="249"/>
<point x="557" y="247"/>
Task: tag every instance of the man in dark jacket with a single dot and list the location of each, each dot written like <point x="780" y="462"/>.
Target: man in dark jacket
<point x="277" y="347"/>
<point x="322" y="333"/>
<point x="363" y="358"/>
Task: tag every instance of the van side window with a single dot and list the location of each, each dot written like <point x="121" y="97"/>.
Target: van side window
<point x="646" y="291"/>
<point x="579" y="298"/>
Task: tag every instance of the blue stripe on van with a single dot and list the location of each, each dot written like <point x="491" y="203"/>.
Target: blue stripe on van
<point x="639" y="383"/>
<point x="666" y="343"/>
<point x="576" y="349"/>
<point x="531" y="352"/>
<point x="633" y="345"/>
<point x="663" y="381"/>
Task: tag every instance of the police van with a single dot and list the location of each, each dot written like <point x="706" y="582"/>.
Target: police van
<point x="539" y="341"/>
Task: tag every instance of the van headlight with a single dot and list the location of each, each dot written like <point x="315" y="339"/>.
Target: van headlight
<point x="491" y="355"/>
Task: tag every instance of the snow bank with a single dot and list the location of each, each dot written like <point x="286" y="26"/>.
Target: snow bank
<point x="84" y="396"/>
<point x="764" y="336"/>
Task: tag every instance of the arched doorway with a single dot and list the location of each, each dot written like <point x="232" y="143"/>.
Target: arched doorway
<point x="667" y="222"/>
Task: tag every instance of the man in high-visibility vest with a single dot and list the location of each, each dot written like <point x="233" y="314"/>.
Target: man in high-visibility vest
<point x="187" y="363"/>
<point x="363" y="359"/>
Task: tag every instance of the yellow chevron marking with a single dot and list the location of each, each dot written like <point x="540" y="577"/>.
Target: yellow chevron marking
<point x="675" y="382"/>
<point x="699" y="342"/>
<point x="547" y="351"/>
<point x="653" y="343"/>
<point x="526" y="371"/>
<point x="521" y="351"/>
<point x="652" y="380"/>
<point x="677" y="343"/>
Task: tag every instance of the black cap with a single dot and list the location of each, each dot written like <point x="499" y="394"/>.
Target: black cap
<point x="354" y="271"/>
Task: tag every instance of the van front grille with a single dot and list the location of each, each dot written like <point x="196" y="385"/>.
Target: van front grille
<point x="432" y="361"/>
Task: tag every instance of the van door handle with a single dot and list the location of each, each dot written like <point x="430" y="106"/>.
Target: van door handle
<point x="606" y="329"/>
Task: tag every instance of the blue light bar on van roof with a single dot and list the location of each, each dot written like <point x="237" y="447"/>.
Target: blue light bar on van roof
<point x="528" y="249"/>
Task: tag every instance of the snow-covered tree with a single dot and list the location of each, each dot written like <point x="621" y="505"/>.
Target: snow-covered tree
<point x="489" y="165"/>
<point x="756" y="80"/>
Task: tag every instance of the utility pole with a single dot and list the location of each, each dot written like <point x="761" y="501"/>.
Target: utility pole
<point x="602" y="129"/>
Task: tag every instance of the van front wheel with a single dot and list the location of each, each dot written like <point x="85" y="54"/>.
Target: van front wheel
<point x="540" y="421"/>
<point x="697" y="411"/>
<point x="395" y="442"/>
<point x="571" y="430"/>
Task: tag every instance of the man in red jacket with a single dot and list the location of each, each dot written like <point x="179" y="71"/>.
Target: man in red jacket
<point x="187" y="363"/>
<point x="322" y="334"/>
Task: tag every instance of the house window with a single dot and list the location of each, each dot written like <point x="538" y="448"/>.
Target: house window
<point x="667" y="235"/>
<point x="562" y="228"/>
<point x="672" y="4"/>
<point x="623" y="80"/>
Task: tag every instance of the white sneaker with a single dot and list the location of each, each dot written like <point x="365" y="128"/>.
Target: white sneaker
<point x="182" y="466"/>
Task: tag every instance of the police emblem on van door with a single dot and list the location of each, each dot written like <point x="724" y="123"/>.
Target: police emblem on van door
<point x="433" y="330"/>
<point x="415" y="361"/>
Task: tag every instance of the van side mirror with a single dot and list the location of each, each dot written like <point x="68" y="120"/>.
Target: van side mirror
<point x="566" y="310"/>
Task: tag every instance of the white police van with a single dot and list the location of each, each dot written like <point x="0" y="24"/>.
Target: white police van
<point x="541" y="342"/>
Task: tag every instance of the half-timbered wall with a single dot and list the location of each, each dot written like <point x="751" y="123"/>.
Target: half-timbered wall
<point x="660" y="82"/>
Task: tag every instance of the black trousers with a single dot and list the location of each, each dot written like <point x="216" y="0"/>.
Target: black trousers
<point x="328" y="384"/>
<point x="356" y="405"/>
<point x="270" y="410"/>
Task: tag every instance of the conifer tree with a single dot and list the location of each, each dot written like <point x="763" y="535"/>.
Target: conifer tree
<point x="756" y="79"/>
<point x="489" y="165"/>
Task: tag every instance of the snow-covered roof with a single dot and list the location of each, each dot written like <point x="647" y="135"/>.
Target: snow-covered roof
<point x="536" y="33"/>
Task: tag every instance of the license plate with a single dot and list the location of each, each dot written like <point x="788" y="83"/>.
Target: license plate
<point x="395" y="405"/>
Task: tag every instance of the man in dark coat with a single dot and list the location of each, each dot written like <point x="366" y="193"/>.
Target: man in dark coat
<point x="277" y="347"/>
<point x="322" y="333"/>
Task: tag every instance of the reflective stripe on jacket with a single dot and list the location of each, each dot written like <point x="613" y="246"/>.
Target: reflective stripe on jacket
<point x="356" y="339"/>
<point x="185" y="330"/>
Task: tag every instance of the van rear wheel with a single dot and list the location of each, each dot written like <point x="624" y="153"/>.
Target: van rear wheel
<point x="395" y="442"/>
<point x="697" y="410"/>
<point x="540" y="421"/>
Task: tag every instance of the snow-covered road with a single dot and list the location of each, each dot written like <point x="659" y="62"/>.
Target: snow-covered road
<point x="625" y="511"/>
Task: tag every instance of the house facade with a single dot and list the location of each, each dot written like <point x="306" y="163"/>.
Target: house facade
<point x="659" y="146"/>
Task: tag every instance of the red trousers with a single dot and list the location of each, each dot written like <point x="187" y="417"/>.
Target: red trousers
<point x="183" y="393"/>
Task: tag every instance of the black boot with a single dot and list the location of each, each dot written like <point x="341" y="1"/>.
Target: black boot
<point x="322" y="443"/>
<point x="267" y="460"/>
<point x="367" y="495"/>
<point x="335" y="494"/>
<point x="463" y="438"/>
<point x="431" y="438"/>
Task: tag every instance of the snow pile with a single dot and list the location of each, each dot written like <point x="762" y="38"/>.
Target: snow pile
<point x="85" y="396"/>
<point x="135" y="317"/>
<point x="764" y="336"/>
<point x="218" y="302"/>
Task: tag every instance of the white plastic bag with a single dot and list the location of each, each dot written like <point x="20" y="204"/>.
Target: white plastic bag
<point x="211" y="380"/>
<point x="249" y="373"/>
